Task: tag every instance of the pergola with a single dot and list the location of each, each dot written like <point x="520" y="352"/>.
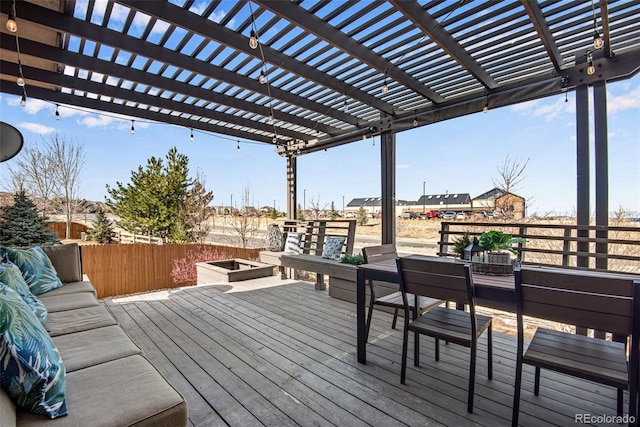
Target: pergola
<point x="314" y="74"/>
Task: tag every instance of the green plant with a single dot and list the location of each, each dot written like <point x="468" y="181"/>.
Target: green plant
<point x="498" y="241"/>
<point x="352" y="259"/>
<point x="460" y="244"/>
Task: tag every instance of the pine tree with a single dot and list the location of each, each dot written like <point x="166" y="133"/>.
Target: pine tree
<point x="102" y="228"/>
<point x="333" y="213"/>
<point x="300" y="213"/>
<point x="361" y="218"/>
<point x="21" y="225"/>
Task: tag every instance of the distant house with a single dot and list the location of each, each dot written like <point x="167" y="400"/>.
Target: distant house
<point x="371" y="205"/>
<point x="506" y="205"/>
<point x="443" y="202"/>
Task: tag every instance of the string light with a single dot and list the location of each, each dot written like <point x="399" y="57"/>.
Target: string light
<point x="133" y="129"/>
<point x="20" y="81"/>
<point x="591" y="69"/>
<point x="598" y="43"/>
<point x="385" y="87"/>
<point x="12" y="25"/>
<point x="23" y="100"/>
<point x="253" y="40"/>
<point x="191" y="134"/>
<point x="262" y="77"/>
<point x="238" y="146"/>
<point x="415" y="118"/>
<point x="364" y="136"/>
<point x="486" y="107"/>
<point x="57" y="112"/>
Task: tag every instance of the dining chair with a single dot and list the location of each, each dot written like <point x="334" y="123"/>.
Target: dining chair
<point x="450" y="281"/>
<point x="600" y="301"/>
<point x="394" y="299"/>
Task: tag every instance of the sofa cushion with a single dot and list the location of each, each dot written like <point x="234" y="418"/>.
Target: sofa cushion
<point x="36" y="268"/>
<point x="11" y="276"/>
<point x="292" y="244"/>
<point x="68" y="302"/>
<point x="73" y="288"/>
<point x="66" y="260"/>
<point x="31" y="372"/>
<point x="129" y="390"/>
<point x="82" y="319"/>
<point x="88" y="348"/>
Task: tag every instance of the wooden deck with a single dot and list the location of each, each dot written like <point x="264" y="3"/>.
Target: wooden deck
<point x="277" y="352"/>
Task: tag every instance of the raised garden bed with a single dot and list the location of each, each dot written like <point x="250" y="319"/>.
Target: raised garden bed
<point x="231" y="270"/>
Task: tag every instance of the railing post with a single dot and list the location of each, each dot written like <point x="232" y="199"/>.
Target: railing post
<point x="523" y="233"/>
<point x="566" y="246"/>
<point x="444" y="238"/>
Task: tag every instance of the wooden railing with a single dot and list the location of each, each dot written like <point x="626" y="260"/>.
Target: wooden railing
<point x="127" y="269"/>
<point x="124" y="237"/>
<point x="608" y="248"/>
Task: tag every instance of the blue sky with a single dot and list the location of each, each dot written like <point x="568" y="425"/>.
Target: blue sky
<point x="459" y="156"/>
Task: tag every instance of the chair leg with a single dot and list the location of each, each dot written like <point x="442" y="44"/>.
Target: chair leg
<point x="437" y="349"/>
<point x="472" y="378"/>
<point x="536" y="383"/>
<point x="405" y="339"/>
<point x="369" y="315"/>
<point x="395" y="318"/>
<point x="516" y="394"/>
<point x="620" y="402"/>
<point x="489" y="353"/>
<point x="416" y="349"/>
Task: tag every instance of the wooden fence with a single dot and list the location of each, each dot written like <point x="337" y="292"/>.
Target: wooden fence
<point x="76" y="229"/>
<point x="609" y="248"/>
<point x="124" y="237"/>
<point x="126" y="269"/>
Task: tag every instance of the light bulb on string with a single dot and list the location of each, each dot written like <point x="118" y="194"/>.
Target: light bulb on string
<point x="23" y="101"/>
<point x="191" y="134"/>
<point x="133" y="129"/>
<point x="415" y="119"/>
<point x="591" y="69"/>
<point x="20" y="81"/>
<point x="262" y="78"/>
<point x="57" y="112"/>
<point x="12" y="25"/>
<point x="364" y="136"/>
<point x="598" y="43"/>
<point x="238" y="146"/>
<point x="486" y="107"/>
<point x="385" y="87"/>
<point x="253" y="40"/>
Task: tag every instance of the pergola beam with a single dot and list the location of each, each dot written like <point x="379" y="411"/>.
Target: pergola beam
<point x="112" y="69"/>
<point x="534" y="11"/>
<point x="325" y="31"/>
<point x="66" y="24"/>
<point x="431" y="27"/>
<point x="210" y="29"/>
<point x="125" y="110"/>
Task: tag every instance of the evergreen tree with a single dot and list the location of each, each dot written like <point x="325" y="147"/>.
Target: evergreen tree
<point x="154" y="202"/>
<point x="21" y="225"/>
<point x="333" y="213"/>
<point x="102" y="228"/>
<point x="361" y="218"/>
<point x="300" y="213"/>
<point x="274" y="213"/>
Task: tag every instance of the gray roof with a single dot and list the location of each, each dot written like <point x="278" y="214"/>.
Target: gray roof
<point x="438" y="200"/>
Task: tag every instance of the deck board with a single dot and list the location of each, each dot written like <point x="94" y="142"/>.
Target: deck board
<point x="278" y="352"/>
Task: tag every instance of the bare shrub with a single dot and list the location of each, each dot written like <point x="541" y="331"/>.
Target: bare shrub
<point x="184" y="270"/>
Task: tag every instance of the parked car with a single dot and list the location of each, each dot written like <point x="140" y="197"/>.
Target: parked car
<point x="449" y="215"/>
<point x="350" y="215"/>
<point x="461" y="215"/>
<point x="410" y="215"/>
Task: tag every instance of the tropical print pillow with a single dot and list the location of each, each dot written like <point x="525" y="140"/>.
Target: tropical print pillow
<point x="11" y="276"/>
<point x="36" y="268"/>
<point x="31" y="369"/>
<point x="333" y="247"/>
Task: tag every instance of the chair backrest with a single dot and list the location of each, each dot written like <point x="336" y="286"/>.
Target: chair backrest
<point x="437" y="278"/>
<point x="597" y="300"/>
<point x="379" y="253"/>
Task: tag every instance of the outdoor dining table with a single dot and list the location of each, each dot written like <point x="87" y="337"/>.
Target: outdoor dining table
<point x="497" y="292"/>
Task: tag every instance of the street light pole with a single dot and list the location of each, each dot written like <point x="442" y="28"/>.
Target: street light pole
<point x="424" y="201"/>
<point x="304" y="202"/>
<point x="343" y="206"/>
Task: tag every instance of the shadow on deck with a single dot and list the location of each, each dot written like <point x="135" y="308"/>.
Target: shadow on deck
<point x="272" y="352"/>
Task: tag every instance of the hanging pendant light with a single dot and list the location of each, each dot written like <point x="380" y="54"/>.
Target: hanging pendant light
<point x="133" y="129"/>
<point x="57" y="112"/>
<point x="23" y="101"/>
<point x="591" y="69"/>
<point x="253" y="40"/>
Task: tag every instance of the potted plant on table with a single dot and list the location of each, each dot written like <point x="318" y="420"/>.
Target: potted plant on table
<point x="499" y="246"/>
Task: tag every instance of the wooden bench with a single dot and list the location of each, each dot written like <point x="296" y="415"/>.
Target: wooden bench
<point x="314" y="235"/>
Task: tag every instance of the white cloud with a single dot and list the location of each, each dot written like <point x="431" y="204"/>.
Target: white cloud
<point x="96" y="121"/>
<point x="404" y="166"/>
<point x="545" y="108"/>
<point x="628" y="101"/>
<point x="36" y="128"/>
<point x="34" y="106"/>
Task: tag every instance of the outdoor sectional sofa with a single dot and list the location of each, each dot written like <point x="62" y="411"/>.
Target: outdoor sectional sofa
<point x="109" y="382"/>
